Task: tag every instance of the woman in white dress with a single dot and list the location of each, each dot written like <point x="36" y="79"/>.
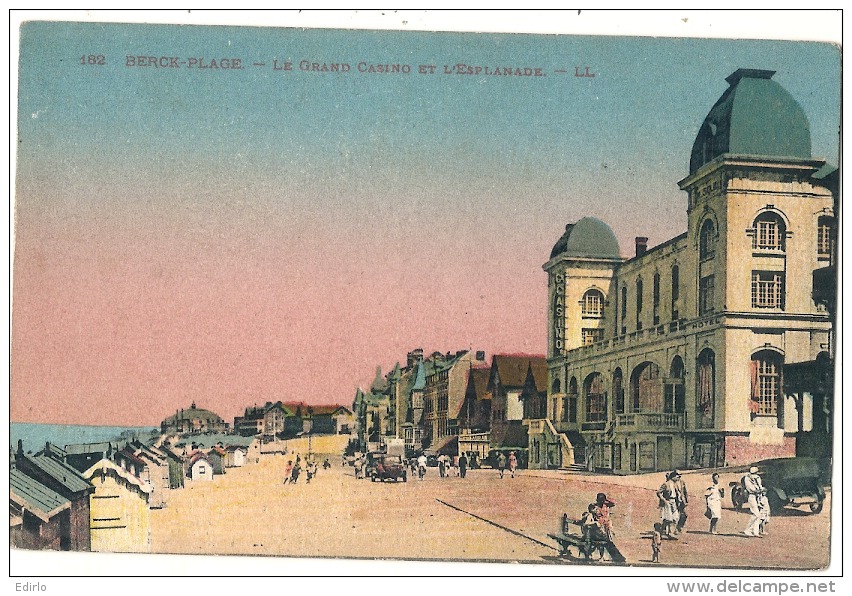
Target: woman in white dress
<point x="714" y="495"/>
<point x="669" y="514"/>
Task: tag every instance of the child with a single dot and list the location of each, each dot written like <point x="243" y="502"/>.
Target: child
<point x="656" y="542"/>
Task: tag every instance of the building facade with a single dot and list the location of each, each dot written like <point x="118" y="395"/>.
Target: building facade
<point x="193" y="419"/>
<point x="675" y="356"/>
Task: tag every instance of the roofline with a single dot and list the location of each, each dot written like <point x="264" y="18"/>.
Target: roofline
<point x="766" y="161"/>
<point x="19" y="500"/>
<point x="658" y="247"/>
<point x="561" y="258"/>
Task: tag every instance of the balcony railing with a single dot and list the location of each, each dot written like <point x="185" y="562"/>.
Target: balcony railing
<point x="650" y="421"/>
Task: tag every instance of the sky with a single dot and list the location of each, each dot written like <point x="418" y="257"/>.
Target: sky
<point x="232" y="237"/>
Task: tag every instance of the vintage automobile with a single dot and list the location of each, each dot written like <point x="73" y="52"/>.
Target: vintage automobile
<point x="381" y="466"/>
<point x="795" y="481"/>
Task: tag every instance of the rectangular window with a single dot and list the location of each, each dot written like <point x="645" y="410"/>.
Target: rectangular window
<point x="592" y="304"/>
<point x="824" y="240"/>
<point x="768" y="386"/>
<point x="591" y="336"/>
<point x="596" y="407"/>
<point x="767" y="289"/>
<point x="766" y="235"/>
<point x="706" y="288"/>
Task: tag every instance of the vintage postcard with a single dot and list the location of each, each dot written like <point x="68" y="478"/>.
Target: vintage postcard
<point x="346" y="296"/>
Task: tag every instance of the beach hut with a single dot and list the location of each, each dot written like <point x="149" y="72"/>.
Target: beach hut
<point x="199" y="468"/>
<point x="120" y="520"/>
<point x="235" y="456"/>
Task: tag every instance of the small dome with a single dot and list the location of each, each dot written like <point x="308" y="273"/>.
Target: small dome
<point x="589" y="237"/>
<point x="754" y="116"/>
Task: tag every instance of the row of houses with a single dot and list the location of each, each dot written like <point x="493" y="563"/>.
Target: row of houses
<point x="273" y="420"/>
<point x="98" y="496"/>
<point x="451" y="403"/>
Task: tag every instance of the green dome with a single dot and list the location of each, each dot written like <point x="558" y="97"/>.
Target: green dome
<point x="754" y="116"/>
<point x="589" y="237"/>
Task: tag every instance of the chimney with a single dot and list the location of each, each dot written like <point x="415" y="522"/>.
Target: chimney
<point x="641" y="245"/>
<point x="480" y="355"/>
<point x="413" y="357"/>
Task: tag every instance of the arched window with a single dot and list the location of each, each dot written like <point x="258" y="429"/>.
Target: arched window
<point x="675" y="292"/>
<point x="825" y="235"/>
<point x="623" y="309"/>
<point x="592" y="304"/>
<point x="707" y="240"/>
<point x="595" y="398"/>
<point x="646" y="389"/>
<point x="674" y="391"/>
<point x="769" y="232"/>
<point x="639" y="304"/>
<point x="766" y="382"/>
<point x="556" y="386"/>
<point x="618" y="391"/>
<point x="656" y="296"/>
<point x="705" y="396"/>
<point x="569" y="403"/>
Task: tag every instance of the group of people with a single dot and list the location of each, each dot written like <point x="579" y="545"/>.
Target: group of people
<point x="503" y="461"/>
<point x="596" y="527"/>
<point x="452" y="466"/>
<point x="673" y="499"/>
<point x="447" y="466"/>
<point x="293" y="469"/>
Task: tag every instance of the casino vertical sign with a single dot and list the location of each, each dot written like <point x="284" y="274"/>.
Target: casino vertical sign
<point x="557" y="318"/>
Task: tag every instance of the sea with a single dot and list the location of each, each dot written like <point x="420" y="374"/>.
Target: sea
<point x="34" y="436"/>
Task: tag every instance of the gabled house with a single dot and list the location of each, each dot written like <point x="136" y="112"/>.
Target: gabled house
<point x="474" y="419"/>
<point x="508" y="378"/>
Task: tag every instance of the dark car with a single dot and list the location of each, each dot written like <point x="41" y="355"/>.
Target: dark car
<point x="381" y="466"/>
<point x="792" y="481"/>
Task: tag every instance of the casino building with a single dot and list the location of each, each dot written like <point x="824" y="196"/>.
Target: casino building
<point x="675" y="357"/>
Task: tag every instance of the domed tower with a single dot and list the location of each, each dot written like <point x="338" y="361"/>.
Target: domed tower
<point x="756" y="210"/>
<point x="580" y="272"/>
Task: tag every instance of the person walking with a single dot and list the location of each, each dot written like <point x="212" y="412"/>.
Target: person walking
<point x="501" y="464"/>
<point x="288" y="470"/>
<point x="442" y="465"/>
<point x="681" y="500"/>
<point x="421" y="466"/>
<point x="753" y="486"/>
<point x="294" y="475"/>
<point x="763" y="504"/>
<point x="713" y="496"/>
<point x="668" y="507"/>
<point x="513" y="463"/>
<point x="462" y="465"/>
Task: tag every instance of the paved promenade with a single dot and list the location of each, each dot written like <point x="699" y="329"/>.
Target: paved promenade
<point x="480" y="518"/>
